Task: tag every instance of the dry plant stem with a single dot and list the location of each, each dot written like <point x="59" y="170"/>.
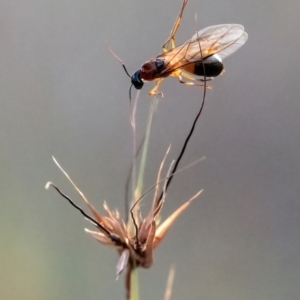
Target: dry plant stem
<point x="128" y="282"/>
<point x="139" y="185"/>
<point x="158" y="176"/>
<point x="132" y="280"/>
<point x="129" y="181"/>
<point x="133" y="124"/>
<point x="134" y="285"/>
<point x="169" y="286"/>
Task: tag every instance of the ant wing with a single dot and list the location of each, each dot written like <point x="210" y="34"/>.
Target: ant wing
<point x="221" y="39"/>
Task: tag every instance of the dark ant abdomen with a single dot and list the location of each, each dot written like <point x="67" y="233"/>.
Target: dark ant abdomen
<point x="213" y="67"/>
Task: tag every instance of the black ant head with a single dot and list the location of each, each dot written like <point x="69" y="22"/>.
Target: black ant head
<point x="136" y="80"/>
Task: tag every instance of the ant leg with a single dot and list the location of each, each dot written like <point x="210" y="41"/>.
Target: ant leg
<point x="189" y="83"/>
<point x="186" y="75"/>
<point x="206" y="79"/>
<point x="154" y="92"/>
<point x="170" y="42"/>
<point x="180" y="74"/>
<point x="190" y="77"/>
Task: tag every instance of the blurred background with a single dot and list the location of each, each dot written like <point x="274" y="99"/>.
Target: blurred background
<point x="63" y="94"/>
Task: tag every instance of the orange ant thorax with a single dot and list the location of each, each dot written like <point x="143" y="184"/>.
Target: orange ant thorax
<point x="151" y="69"/>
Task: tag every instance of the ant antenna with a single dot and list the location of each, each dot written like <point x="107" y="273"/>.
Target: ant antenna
<point x="117" y="58"/>
<point x="120" y="61"/>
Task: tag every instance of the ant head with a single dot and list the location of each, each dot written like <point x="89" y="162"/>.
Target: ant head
<point x="136" y="80"/>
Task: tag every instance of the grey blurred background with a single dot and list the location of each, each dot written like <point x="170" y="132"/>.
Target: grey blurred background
<point x="63" y="94"/>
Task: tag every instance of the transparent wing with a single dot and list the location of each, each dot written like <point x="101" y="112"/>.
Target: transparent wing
<point x="222" y="39"/>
